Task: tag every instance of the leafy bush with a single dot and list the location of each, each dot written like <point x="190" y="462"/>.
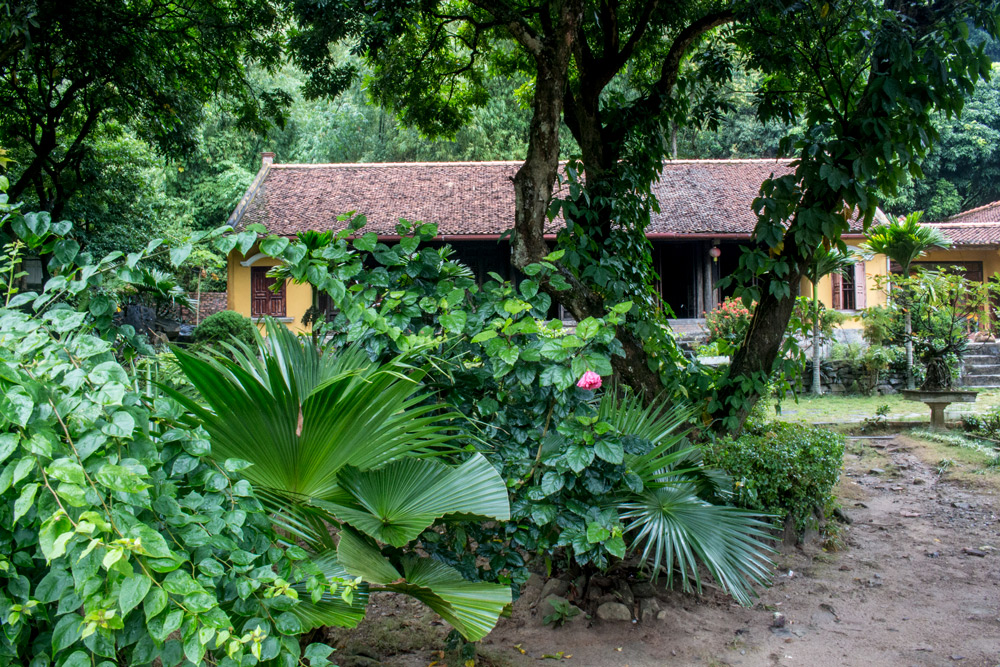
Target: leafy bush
<point x="581" y="481"/>
<point x="728" y="322"/>
<point x="225" y="326"/>
<point x="784" y="469"/>
<point x="119" y="540"/>
<point x="987" y="425"/>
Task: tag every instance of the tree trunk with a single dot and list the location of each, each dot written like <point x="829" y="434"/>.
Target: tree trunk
<point x="817" y="388"/>
<point x="910" y="381"/>
<point x="755" y="357"/>
<point x="533" y="186"/>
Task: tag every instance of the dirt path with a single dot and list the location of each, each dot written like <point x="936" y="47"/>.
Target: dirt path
<point x="917" y="584"/>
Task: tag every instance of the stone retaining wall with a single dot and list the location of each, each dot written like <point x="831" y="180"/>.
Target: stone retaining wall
<point x="849" y="377"/>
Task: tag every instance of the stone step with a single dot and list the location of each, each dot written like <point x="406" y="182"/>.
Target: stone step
<point x="982" y="381"/>
<point x="981" y="369"/>
<point x="980" y="359"/>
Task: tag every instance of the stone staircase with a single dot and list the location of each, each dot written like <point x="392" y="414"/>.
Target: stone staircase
<point x="981" y="365"/>
<point x="690" y="333"/>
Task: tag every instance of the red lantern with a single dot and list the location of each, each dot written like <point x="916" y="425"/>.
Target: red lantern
<point x="714" y="253"/>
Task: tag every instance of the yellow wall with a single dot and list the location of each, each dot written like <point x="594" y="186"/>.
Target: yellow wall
<point x="298" y="298"/>
<point x="990" y="257"/>
<point x="874" y="267"/>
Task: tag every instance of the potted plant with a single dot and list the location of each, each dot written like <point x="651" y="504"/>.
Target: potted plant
<point x="945" y="310"/>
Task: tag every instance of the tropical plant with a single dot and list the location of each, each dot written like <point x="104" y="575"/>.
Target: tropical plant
<point x="677" y="519"/>
<point x="584" y="475"/>
<point x="340" y="443"/>
<point x="823" y="262"/>
<point x="903" y="241"/>
<point x="728" y="322"/>
<point x="121" y="542"/>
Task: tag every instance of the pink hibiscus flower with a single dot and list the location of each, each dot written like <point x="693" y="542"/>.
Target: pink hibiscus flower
<point x="590" y="380"/>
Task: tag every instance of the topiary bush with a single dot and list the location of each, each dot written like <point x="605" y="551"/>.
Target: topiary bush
<point x="787" y="470"/>
<point x="226" y="325"/>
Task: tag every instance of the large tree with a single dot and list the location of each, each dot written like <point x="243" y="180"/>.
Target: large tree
<point x="862" y="76"/>
<point x="69" y="66"/>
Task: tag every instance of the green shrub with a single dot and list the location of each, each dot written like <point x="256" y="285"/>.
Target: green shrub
<point x="225" y="326"/>
<point x="784" y="469"/>
<point x="987" y="425"/>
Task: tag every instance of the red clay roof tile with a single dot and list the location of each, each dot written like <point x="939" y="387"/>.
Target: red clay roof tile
<point x="477" y="198"/>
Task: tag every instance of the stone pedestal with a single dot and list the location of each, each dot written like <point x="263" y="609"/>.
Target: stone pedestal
<point x="937" y="401"/>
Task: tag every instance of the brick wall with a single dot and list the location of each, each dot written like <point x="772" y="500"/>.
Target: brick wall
<point x="211" y="302"/>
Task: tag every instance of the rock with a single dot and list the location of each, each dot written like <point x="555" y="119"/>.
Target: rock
<point x="624" y="594"/>
<point x="554" y="587"/>
<point x="974" y="552"/>
<point x="962" y="506"/>
<point x="876" y="471"/>
<point x="778" y="621"/>
<point x="643" y="589"/>
<point x="648" y="609"/>
<point x="919" y="481"/>
<point x="614" y="611"/>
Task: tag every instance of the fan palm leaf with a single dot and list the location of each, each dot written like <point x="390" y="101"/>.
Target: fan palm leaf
<point x="904" y="241"/>
<point x="671" y="522"/>
<point x="343" y="445"/>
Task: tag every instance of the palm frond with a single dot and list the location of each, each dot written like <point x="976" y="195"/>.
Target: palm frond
<point x="676" y="531"/>
<point x="472" y="608"/>
<point x="904" y="241"/>
<point x="398" y="501"/>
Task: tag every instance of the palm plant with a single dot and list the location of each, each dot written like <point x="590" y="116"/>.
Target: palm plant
<point x="903" y="241"/>
<point x="825" y="261"/>
<point x="679" y="519"/>
<point x="340" y="444"/>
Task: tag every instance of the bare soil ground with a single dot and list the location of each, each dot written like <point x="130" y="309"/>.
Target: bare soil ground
<point x="913" y="580"/>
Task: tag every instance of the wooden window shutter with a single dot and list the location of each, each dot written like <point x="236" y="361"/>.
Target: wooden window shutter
<point x="277" y="305"/>
<point x="263" y="301"/>
<point x="838" y="302"/>
<point x="259" y="297"/>
<point x="860" y="289"/>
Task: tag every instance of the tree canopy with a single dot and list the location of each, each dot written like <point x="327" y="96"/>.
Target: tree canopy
<point x="67" y="68"/>
<point x="862" y="77"/>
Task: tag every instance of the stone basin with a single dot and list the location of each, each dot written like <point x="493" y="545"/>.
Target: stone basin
<point x="938" y="400"/>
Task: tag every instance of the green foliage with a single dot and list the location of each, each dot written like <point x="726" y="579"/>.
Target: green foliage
<point x="987" y="425"/>
<point x="562" y="611"/>
<point x="226" y="326"/>
<point x="787" y="470"/>
<point x="584" y="476"/>
<point x="76" y="66"/>
<point x="122" y="540"/>
<point x="336" y="441"/>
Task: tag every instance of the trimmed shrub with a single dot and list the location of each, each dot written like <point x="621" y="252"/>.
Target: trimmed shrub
<point x="224" y="326"/>
<point x="784" y="469"/>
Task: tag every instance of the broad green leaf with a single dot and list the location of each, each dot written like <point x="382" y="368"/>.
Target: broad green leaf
<point x="25" y="501"/>
<point x="8" y="443"/>
<point x="133" y="591"/>
<point x="609" y="450"/>
<point x="397" y="502"/>
<point x="179" y="254"/>
<point x="472" y="608"/>
<point x="579" y="457"/>
<point x="597" y="533"/>
<point x="16" y="406"/>
<point x="154" y="602"/>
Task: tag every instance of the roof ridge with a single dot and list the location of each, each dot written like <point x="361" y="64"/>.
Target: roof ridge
<point x="945" y="223"/>
<point x="972" y="210"/>
<point x="318" y="165"/>
<point x="504" y="163"/>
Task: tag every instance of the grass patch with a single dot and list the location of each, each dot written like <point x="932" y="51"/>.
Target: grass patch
<point x="854" y="409"/>
<point x="958" y="457"/>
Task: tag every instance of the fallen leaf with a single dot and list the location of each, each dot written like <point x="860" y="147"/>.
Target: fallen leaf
<point x="908" y="514"/>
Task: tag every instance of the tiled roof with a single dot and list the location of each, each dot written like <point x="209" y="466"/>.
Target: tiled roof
<point x="970" y="233"/>
<point x="977" y="226"/>
<point x="696" y="196"/>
